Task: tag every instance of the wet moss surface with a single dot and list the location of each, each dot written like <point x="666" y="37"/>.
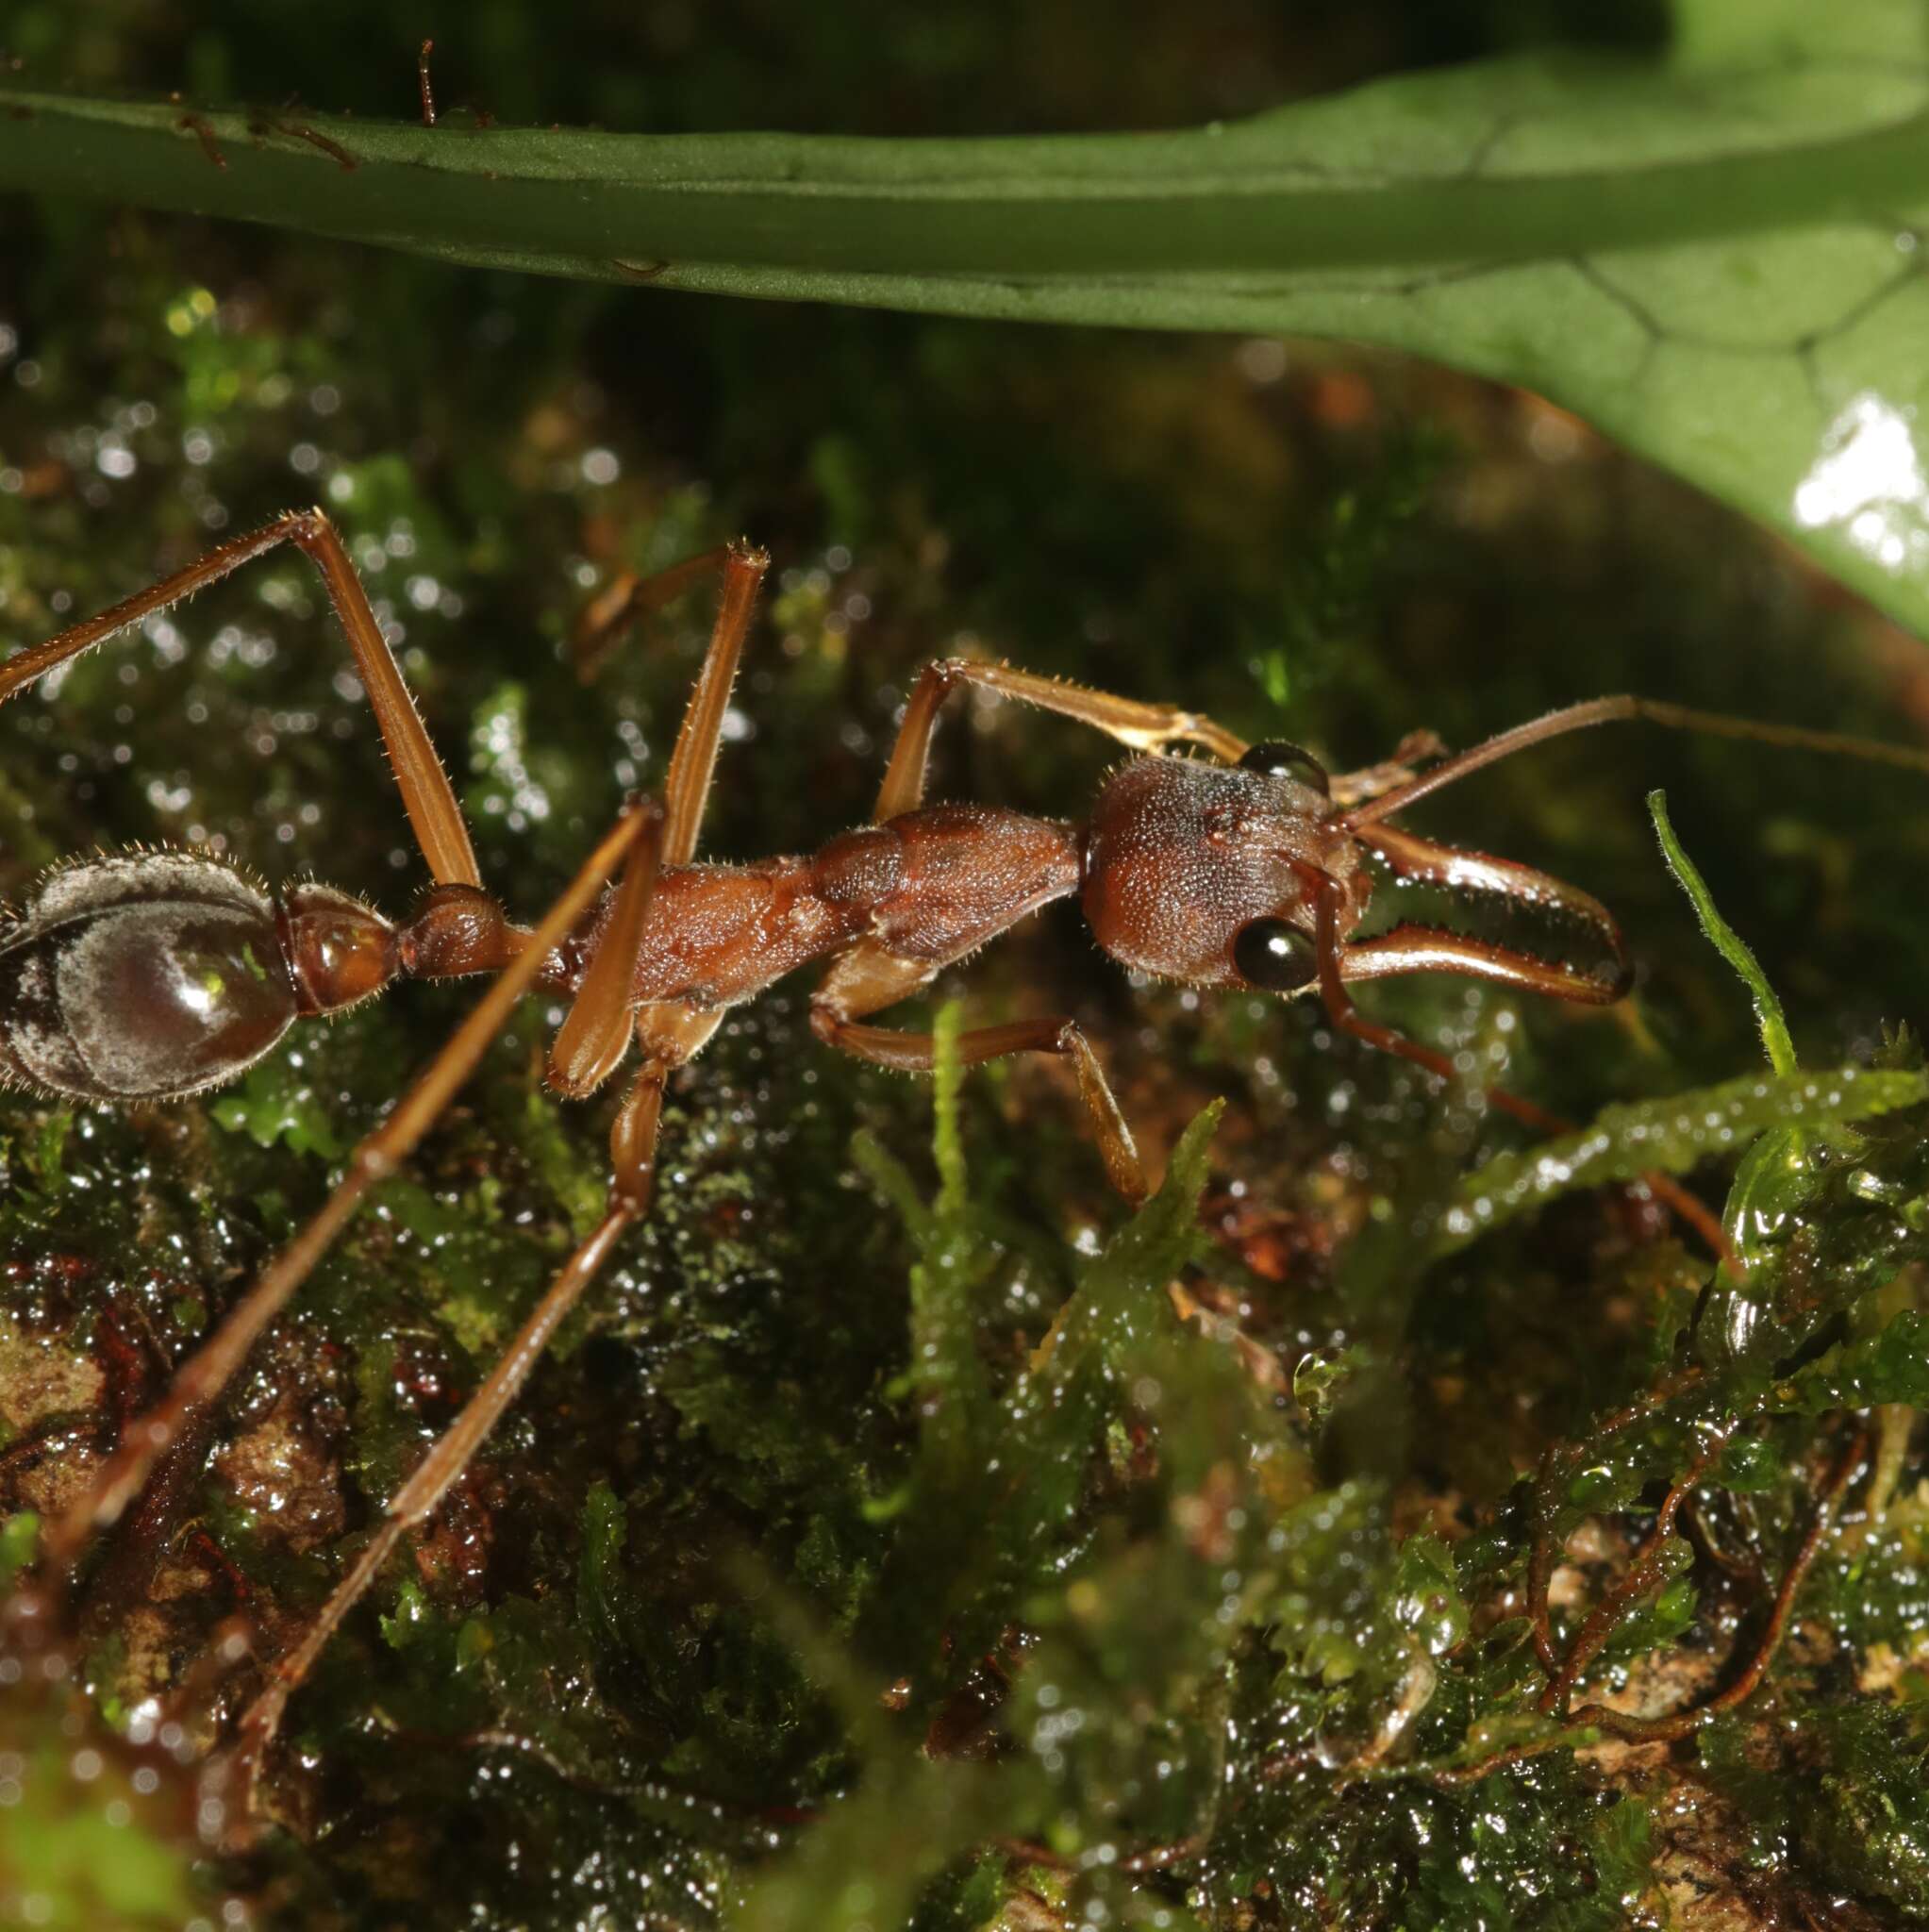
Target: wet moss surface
<point x="905" y="1532"/>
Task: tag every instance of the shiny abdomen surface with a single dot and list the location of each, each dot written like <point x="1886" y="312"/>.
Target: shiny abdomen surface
<point x="141" y="976"/>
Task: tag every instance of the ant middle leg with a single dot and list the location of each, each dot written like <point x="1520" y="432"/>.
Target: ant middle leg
<point x="427" y="796"/>
<point x="867" y="978"/>
<point x="1141" y="726"/>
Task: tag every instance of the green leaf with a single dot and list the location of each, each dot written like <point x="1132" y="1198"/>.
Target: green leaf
<point x="1726" y="941"/>
<point x="1711" y="256"/>
<point x="920" y="1815"/>
<point x="947" y="1142"/>
<point x="85" y="1845"/>
<point x="1667" y="1617"/>
<point x="953" y="1398"/>
<point x="1121" y="1293"/>
<point x="1668" y="1137"/>
<point x="411" y="1614"/>
<point x="1427" y="1600"/>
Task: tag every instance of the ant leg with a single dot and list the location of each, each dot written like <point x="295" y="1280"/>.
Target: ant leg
<point x="593" y="1037"/>
<point x="207" y="1373"/>
<point x="670" y="1034"/>
<point x="687" y="784"/>
<point x="867" y="978"/>
<point x="595" y="1032"/>
<point x="433" y="813"/>
<point x="612" y="611"/>
<point x="1142" y="726"/>
<point x="1416" y="949"/>
<point x="1417" y="748"/>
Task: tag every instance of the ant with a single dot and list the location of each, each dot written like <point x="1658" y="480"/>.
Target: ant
<point x="150" y="975"/>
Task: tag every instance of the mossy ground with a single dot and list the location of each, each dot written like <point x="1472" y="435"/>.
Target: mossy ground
<point x="854" y="1450"/>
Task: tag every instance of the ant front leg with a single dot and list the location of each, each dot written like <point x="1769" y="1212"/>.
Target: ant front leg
<point x="433" y="813"/>
<point x="670" y="1034"/>
<point x="1420" y="949"/>
<point x="594" y="1035"/>
<point x="867" y="978"/>
<point x="1144" y="727"/>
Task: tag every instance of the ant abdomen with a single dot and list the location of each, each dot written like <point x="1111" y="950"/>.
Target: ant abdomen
<point x="147" y="976"/>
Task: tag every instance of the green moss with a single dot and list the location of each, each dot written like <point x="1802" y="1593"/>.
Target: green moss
<point x="275" y="1104"/>
<point x="1726" y="941"/>
<point x="81" y="1847"/>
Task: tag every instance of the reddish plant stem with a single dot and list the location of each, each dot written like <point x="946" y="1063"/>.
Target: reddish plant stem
<point x="1638" y="1580"/>
<point x="1542" y="1552"/>
<point x="1678" y="1723"/>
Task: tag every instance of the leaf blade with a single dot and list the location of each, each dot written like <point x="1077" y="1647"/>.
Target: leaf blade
<point x="1711" y="257"/>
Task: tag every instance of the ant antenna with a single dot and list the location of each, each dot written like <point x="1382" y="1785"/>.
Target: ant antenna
<point x="1615" y="710"/>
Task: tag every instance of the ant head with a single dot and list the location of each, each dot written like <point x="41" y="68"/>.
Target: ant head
<point x="1198" y="872"/>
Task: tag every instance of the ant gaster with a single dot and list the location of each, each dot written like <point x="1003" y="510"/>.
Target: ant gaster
<point x="146" y="976"/>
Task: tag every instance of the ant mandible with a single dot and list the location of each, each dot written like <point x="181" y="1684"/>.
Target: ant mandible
<point x="151" y="975"/>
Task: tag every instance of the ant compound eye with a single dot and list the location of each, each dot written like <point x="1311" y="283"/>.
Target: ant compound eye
<point x="1276" y="758"/>
<point x="1276" y="957"/>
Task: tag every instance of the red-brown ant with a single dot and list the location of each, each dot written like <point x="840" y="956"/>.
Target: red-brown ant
<point x="150" y="975"/>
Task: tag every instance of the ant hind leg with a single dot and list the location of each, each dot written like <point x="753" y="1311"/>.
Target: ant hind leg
<point x="670" y="1035"/>
<point x="594" y="1036"/>
<point x="867" y="978"/>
